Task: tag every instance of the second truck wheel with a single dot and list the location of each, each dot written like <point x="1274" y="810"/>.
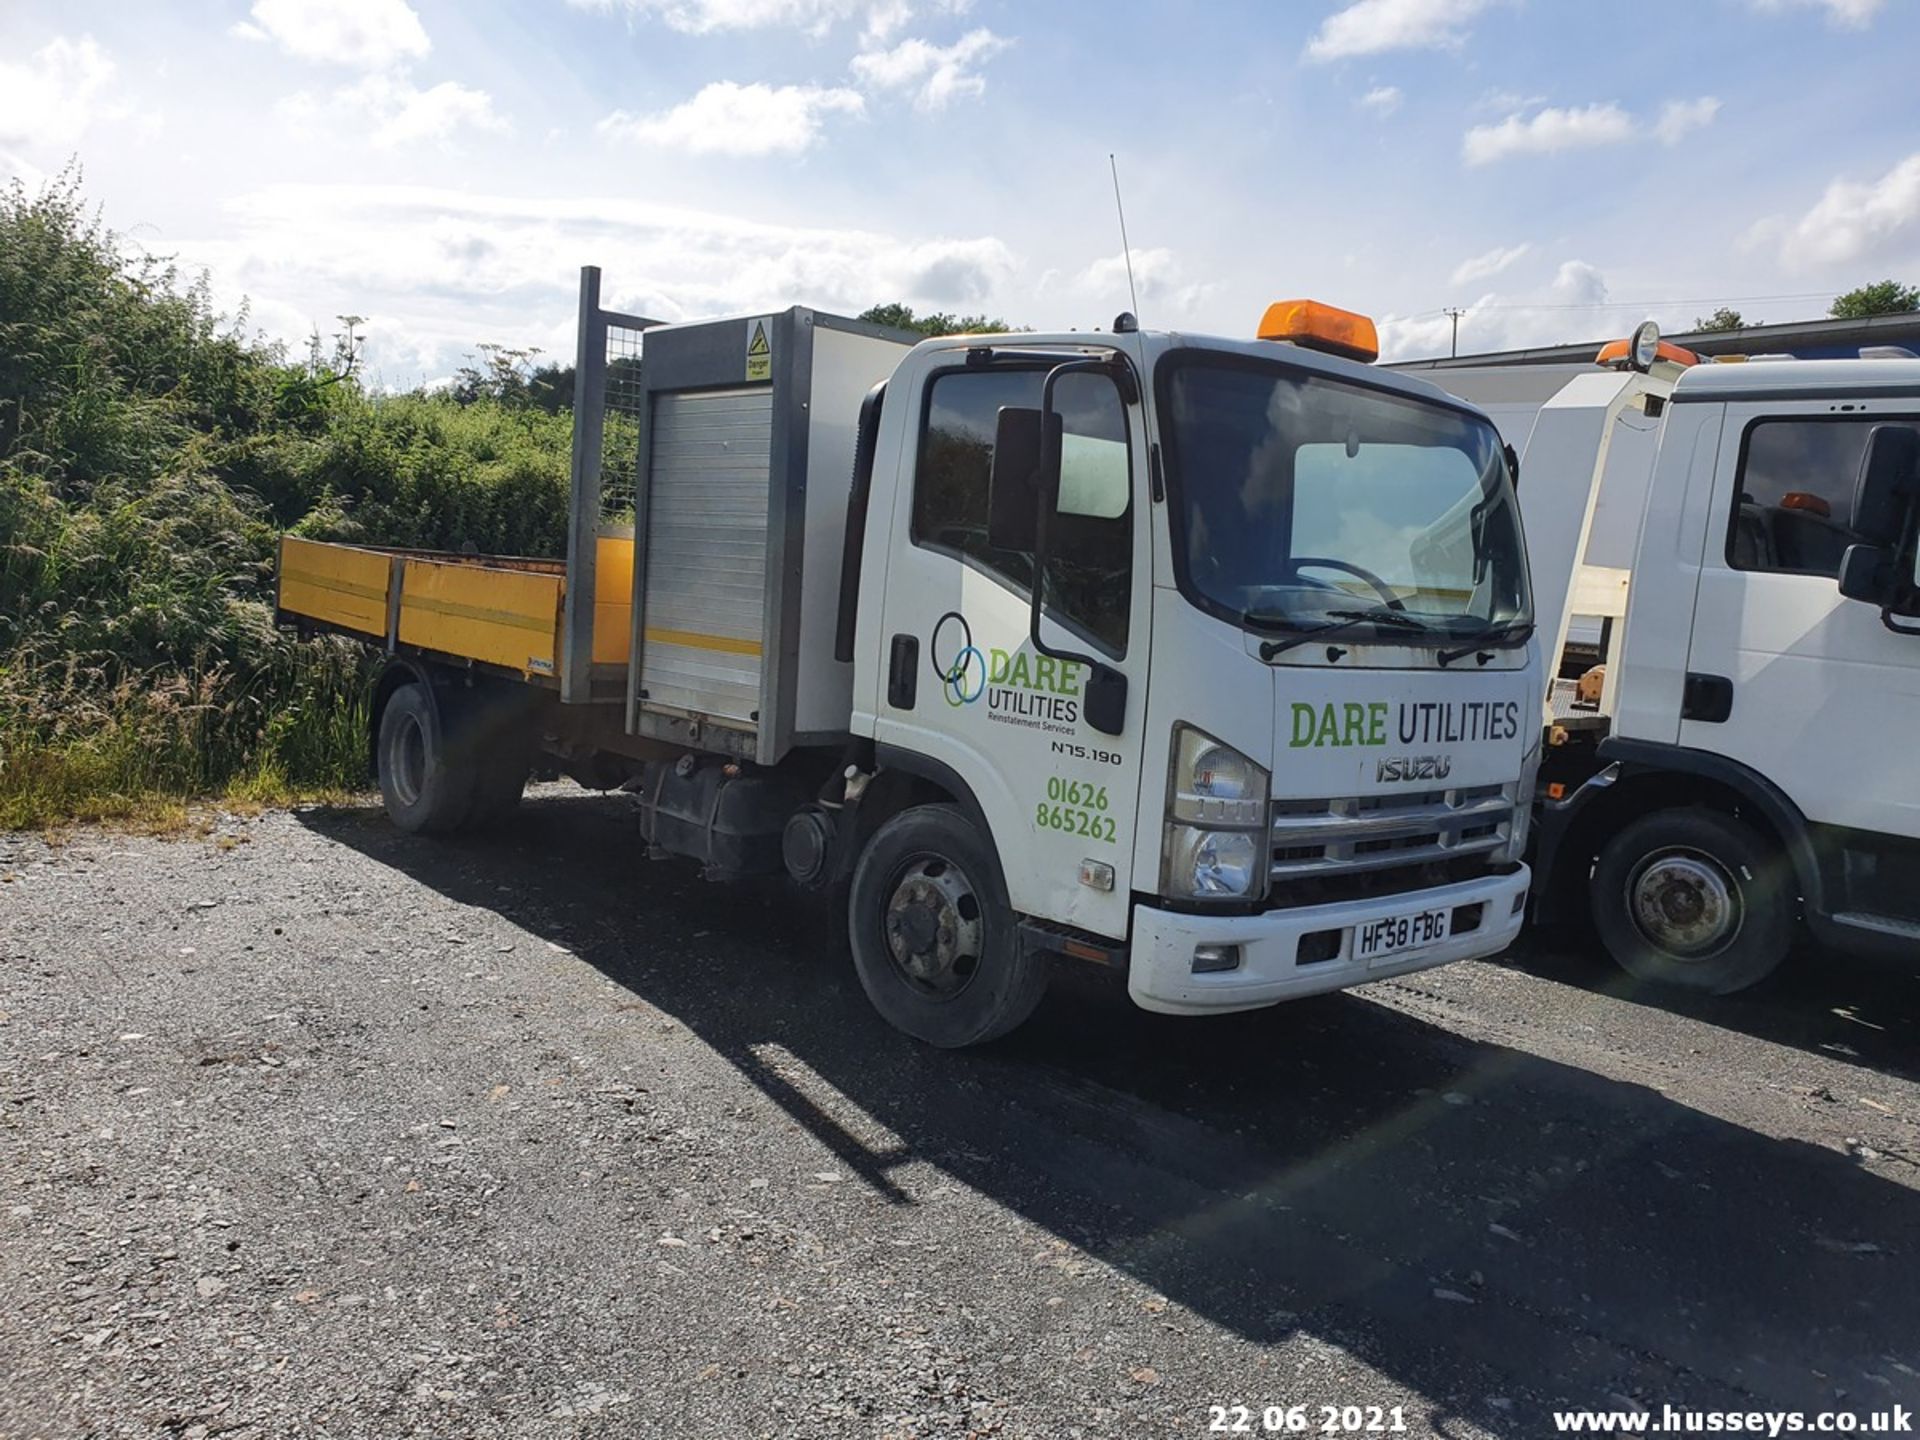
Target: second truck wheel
<point x="1692" y="898"/>
<point x="933" y="935"/>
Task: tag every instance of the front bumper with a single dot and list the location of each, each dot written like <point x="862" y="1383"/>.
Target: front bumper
<point x="1160" y="967"/>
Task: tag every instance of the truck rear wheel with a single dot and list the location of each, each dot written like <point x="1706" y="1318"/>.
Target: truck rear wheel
<point x="424" y="794"/>
<point x="933" y="935"/>
<point x="1693" y="899"/>
<point x="491" y="739"/>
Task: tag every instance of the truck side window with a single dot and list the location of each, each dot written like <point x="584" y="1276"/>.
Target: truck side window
<point x="1794" y="514"/>
<point x="1090" y="563"/>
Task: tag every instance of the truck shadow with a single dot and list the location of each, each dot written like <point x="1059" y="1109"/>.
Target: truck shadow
<point x="1863" y="1012"/>
<point x="1468" y="1219"/>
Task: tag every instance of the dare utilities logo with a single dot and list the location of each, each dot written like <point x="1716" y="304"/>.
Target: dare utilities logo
<point x="956" y="660"/>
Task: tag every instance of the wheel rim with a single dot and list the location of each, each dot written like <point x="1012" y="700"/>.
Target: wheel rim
<point x="934" y="926"/>
<point x="1685" y="902"/>
<point x="407" y="760"/>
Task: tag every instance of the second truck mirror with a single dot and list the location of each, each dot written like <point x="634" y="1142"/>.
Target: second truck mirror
<point x="1865" y="574"/>
<point x="1021" y="458"/>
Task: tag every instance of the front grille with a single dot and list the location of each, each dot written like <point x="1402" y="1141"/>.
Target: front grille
<point x="1318" y="839"/>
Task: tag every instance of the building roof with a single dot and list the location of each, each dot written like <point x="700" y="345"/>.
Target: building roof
<point x="1811" y="339"/>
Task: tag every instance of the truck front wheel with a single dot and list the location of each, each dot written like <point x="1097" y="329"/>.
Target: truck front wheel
<point x="424" y="794"/>
<point x="1692" y="898"/>
<point x="933" y="934"/>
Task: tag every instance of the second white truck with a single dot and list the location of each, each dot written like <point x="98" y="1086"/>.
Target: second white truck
<point x="1737" y="545"/>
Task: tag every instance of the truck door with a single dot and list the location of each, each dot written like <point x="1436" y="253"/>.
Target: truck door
<point x="1786" y="675"/>
<point x="962" y="685"/>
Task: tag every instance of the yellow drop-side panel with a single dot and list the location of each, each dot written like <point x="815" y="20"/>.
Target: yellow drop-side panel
<point x="504" y="617"/>
<point x="612" y="600"/>
<point x="337" y="584"/>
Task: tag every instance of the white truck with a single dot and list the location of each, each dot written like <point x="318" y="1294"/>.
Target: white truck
<point x="1208" y="660"/>
<point x="1736" y="543"/>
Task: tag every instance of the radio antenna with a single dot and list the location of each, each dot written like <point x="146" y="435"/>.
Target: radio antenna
<point x="1126" y="250"/>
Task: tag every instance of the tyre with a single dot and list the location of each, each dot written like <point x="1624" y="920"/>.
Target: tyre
<point x="933" y="935"/>
<point x="1694" y="899"/>
<point x="424" y="794"/>
<point x="500" y="784"/>
<point x="495" y="742"/>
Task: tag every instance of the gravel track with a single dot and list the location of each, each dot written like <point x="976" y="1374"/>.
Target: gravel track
<point x="311" y="1128"/>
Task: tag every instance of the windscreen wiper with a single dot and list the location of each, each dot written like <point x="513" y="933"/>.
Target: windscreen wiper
<point x="1342" y="620"/>
<point x="1493" y="635"/>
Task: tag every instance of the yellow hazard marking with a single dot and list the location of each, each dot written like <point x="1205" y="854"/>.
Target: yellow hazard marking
<point x="725" y="644"/>
<point x="759" y="352"/>
<point x="539" y="625"/>
<point x="329" y="582"/>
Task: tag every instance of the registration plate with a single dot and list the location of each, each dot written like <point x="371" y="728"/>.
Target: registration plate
<point x="1395" y="933"/>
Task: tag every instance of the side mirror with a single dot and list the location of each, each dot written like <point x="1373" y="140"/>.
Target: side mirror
<point x="1866" y="573"/>
<point x="1884" y="495"/>
<point x="1105" y="700"/>
<point x="1022" y="460"/>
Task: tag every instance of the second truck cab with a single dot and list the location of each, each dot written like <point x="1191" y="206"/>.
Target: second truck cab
<point x="1745" y="537"/>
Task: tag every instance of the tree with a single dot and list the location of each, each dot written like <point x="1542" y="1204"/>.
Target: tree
<point x="1721" y="319"/>
<point x="1883" y="297"/>
<point x="503" y="375"/>
<point x="901" y="317"/>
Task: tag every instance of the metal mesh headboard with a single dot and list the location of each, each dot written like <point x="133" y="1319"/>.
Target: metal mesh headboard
<point x="607" y="404"/>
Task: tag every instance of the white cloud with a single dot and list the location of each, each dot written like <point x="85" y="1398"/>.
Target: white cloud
<point x="705" y="17"/>
<point x="1852" y="14"/>
<point x="50" y="98"/>
<point x="439" y="270"/>
<point x="393" y="112"/>
<point x="1853" y="220"/>
<point x="938" y="75"/>
<point x="1578" y="283"/>
<point x="1369" y="27"/>
<point x="726" y="118"/>
<point x="1157" y="274"/>
<point x="368" y="34"/>
<point x="1571" y="309"/>
<point x="1482" y="267"/>
<point x="1546" y="132"/>
<point x="1677" y="117"/>
<point x="1382" y="100"/>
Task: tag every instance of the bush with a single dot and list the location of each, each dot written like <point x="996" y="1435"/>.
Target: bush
<point x="150" y="454"/>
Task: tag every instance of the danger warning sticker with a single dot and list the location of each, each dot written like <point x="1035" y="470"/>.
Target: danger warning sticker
<point x="759" y="351"/>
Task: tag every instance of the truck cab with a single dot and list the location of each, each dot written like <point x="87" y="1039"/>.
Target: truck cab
<point x="1752" y="780"/>
<point x="1266" y="728"/>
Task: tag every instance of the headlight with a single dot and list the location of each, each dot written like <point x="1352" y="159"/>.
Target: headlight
<point x="1214" y="784"/>
<point x="1214" y="864"/>
<point x="1215" y="846"/>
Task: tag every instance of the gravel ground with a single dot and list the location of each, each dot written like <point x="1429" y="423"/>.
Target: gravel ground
<point x="308" y="1127"/>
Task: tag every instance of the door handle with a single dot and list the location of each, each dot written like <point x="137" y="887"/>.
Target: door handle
<point x="1706" y="698"/>
<point x="903" y="671"/>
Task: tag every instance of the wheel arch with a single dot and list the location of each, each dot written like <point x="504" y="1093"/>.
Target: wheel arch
<point x="904" y="778"/>
<point x="1642" y="777"/>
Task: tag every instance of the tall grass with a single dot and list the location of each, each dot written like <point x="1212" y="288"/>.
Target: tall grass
<point x="149" y="456"/>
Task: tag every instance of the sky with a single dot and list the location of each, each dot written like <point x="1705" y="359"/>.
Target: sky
<point x="1558" y="171"/>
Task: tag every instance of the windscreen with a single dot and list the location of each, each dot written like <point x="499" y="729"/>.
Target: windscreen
<point x="1296" y="495"/>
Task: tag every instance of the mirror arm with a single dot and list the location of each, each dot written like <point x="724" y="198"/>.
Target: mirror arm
<point x="1049" y="499"/>
<point x="1105" y="699"/>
